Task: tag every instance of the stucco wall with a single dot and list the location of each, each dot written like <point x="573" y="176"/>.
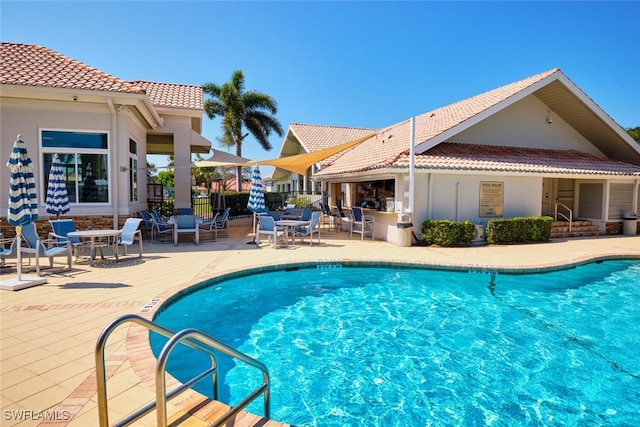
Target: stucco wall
<point x="458" y="197"/>
<point x="29" y="117"/>
<point x="524" y="124"/>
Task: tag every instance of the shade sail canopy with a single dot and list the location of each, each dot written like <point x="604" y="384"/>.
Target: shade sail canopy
<point x="222" y="158"/>
<point x="301" y="162"/>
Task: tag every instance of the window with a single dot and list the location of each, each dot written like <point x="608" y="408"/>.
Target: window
<point x="85" y="163"/>
<point x="133" y="171"/>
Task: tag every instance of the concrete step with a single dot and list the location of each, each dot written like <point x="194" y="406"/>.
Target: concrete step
<point x="560" y="229"/>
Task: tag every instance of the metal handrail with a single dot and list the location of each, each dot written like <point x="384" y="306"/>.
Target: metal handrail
<point x="569" y="218"/>
<point x="192" y="338"/>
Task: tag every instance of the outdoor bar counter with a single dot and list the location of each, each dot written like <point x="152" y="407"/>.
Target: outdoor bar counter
<point x="385" y="225"/>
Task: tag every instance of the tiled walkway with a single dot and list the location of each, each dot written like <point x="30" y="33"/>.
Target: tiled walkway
<point x="49" y="332"/>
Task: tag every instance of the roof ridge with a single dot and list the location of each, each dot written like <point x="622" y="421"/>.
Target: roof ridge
<point x="531" y="80"/>
<point x="163" y="83"/>
<point x="332" y="126"/>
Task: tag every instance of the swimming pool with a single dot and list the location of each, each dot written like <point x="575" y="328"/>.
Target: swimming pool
<point x="410" y="346"/>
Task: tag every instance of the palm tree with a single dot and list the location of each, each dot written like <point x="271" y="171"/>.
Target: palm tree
<point x="252" y="109"/>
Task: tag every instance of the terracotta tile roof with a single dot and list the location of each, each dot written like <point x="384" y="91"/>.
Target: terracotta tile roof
<point x="33" y="65"/>
<point x="493" y="158"/>
<point x="173" y="95"/>
<point x="390" y="142"/>
<point x="318" y="137"/>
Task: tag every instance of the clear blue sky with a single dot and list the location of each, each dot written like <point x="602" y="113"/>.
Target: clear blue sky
<point x="361" y="64"/>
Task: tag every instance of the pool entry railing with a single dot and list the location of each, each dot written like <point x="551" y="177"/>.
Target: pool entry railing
<point x="567" y="217"/>
<point x="189" y="337"/>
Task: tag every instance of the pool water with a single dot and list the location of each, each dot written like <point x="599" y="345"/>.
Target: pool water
<point x="414" y="347"/>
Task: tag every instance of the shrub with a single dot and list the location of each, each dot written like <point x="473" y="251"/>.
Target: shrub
<point x="444" y="232"/>
<point x="519" y="229"/>
<point x="300" y="201"/>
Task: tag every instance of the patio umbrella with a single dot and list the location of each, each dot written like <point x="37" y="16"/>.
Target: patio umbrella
<point x="256" y="197"/>
<point x="57" y="197"/>
<point x="23" y="205"/>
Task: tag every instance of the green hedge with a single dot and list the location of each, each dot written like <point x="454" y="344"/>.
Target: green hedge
<point x="519" y="229"/>
<point x="444" y="232"/>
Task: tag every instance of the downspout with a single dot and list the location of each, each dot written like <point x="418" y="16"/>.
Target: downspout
<point x="458" y="195"/>
<point x="412" y="165"/>
<point x="113" y="148"/>
<point x="429" y="195"/>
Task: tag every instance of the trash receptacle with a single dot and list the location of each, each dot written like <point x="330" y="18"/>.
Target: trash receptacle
<point x="405" y="229"/>
<point x="630" y="224"/>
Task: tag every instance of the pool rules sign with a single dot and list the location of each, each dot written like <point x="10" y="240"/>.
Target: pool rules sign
<point x="491" y="199"/>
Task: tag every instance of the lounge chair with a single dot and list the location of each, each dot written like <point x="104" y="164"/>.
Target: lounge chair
<point x="268" y="227"/>
<point x="311" y="229"/>
<point x="62" y="227"/>
<point x="128" y="234"/>
<point x="219" y="222"/>
<point x="276" y="215"/>
<point x="44" y="248"/>
<point x="147" y="222"/>
<point x="186" y="224"/>
<point x="161" y="226"/>
<point x="344" y="220"/>
<point x="6" y="251"/>
<point x="361" y="223"/>
<point x="306" y="214"/>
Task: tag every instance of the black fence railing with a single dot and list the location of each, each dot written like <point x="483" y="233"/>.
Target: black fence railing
<point x="208" y="206"/>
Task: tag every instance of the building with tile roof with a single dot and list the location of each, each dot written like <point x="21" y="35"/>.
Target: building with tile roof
<point x="101" y="127"/>
<point x="533" y="147"/>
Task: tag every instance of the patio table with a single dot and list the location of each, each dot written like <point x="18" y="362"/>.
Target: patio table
<point x="94" y="237"/>
<point x="291" y="225"/>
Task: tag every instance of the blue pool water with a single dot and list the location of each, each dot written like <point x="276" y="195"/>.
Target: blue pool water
<point x="415" y="347"/>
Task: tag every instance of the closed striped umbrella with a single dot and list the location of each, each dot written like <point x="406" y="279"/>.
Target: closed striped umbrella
<point x="23" y="202"/>
<point x="57" y="197"/>
<point x="256" y="194"/>
<point x="256" y="198"/>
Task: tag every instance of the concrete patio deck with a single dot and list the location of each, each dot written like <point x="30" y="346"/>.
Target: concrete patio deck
<point x="48" y="333"/>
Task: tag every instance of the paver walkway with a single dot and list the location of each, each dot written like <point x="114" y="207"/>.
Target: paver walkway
<point x="48" y="333"/>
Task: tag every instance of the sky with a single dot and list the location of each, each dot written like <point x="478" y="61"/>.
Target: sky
<point x="346" y="63"/>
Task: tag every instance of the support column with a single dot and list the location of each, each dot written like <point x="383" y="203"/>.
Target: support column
<point x="182" y="171"/>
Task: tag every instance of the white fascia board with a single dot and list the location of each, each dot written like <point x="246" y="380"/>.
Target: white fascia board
<point x="595" y="108"/>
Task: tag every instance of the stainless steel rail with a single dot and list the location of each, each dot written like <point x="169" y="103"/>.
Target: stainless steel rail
<point x="568" y="218"/>
<point x="192" y="338"/>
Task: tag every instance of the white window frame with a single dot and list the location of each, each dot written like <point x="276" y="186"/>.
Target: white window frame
<point x="75" y="151"/>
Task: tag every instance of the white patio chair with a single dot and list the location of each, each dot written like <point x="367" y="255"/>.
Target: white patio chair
<point x="361" y="223"/>
<point x="311" y="229"/>
<point x="129" y="232"/>
<point x="43" y="248"/>
<point x="6" y="251"/>
<point x="268" y="227"/>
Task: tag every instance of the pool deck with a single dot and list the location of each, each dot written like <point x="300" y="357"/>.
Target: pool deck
<point x="49" y="332"/>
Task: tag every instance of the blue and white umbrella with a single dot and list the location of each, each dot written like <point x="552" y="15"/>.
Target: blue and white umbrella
<point x="256" y="194"/>
<point x="23" y="203"/>
<point x="57" y="197"/>
<point x="256" y="198"/>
